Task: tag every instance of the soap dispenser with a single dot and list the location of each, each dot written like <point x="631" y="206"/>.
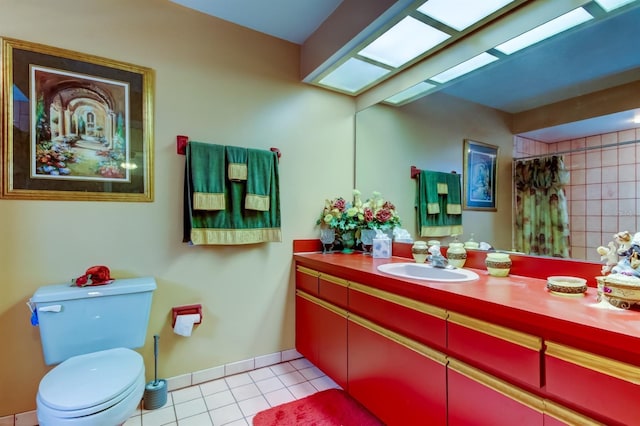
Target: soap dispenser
<point x="456" y="253"/>
<point x="471" y="243"/>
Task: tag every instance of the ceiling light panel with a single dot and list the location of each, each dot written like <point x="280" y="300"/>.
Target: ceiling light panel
<point x="353" y="75"/>
<point x="544" y="31"/>
<point x="410" y="93"/>
<point x="609" y="5"/>
<point x="461" y="14"/>
<point x="465" y="67"/>
<point x="403" y="42"/>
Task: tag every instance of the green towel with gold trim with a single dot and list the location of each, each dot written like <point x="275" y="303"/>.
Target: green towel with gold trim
<point x="235" y="224"/>
<point x="260" y="167"/>
<point x="236" y="163"/>
<point x="208" y="189"/>
<point x="439" y="212"/>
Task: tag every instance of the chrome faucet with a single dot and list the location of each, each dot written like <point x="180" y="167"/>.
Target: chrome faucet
<point x="436" y="258"/>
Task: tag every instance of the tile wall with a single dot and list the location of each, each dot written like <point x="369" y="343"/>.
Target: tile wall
<point x="603" y="193"/>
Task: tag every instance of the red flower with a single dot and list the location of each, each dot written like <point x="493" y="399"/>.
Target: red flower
<point x="368" y="214"/>
<point x="340" y="204"/>
<point x="383" y="215"/>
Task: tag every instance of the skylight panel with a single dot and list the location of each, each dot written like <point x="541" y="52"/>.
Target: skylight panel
<point x="403" y="42"/>
<point x="410" y="93"/>
<point x="353" y="75"/>
<point x="461" y="14"/>
<point x="544" y="31"/>
<point x="465" y="67"/>
<point x="609" y="5"/>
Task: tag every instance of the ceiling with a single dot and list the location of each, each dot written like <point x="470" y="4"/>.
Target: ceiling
<point x="593" y="57"/>
<point x="291" y="20"/>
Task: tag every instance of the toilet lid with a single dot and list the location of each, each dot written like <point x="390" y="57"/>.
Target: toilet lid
<point x="91" y="379"/>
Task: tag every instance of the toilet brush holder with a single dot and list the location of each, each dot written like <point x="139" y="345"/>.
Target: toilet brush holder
<point x="155" y="392"/>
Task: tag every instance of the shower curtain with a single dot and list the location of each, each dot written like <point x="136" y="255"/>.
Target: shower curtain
<point x="542" y="220"/>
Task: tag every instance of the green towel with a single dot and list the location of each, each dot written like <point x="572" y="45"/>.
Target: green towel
<point x="205" y="167"/>
<point x="454" y="196"/>
<point x="234" y="225"/>
<point x="260" y="172"/>
<point x="439" y="212"/>
<point x="236" y="163"/>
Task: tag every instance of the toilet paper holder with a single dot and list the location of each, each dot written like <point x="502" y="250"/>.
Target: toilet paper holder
<point x="186" y="310"/>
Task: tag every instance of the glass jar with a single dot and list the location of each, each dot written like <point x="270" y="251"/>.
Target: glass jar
<point x="498" y="264"/>
<point x="456" y="254"/>
<point x="420" y="251"/>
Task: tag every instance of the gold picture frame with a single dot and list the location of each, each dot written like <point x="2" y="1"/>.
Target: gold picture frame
<point x="74" y="126"/>
<point x="480" y="181"/>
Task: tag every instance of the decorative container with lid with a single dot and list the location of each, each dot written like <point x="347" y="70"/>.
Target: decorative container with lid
<point x="420" y="251"/>
<point x="498" y="264"/>
<point x="456" y="254"/>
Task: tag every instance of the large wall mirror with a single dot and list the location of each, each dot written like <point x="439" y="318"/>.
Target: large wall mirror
<point x="563" y="93"/>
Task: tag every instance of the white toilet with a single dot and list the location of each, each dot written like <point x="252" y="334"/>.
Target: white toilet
<point x="90" y="331"/>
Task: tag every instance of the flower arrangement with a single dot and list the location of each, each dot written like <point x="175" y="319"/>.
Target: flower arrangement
<point x="339" y="214"/>
<point x="379" y="213"/>
<point x="374" y="213"/>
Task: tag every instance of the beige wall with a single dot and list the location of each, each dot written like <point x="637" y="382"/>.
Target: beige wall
<point x="214" y="82"/>
<point x="429" y="134"/>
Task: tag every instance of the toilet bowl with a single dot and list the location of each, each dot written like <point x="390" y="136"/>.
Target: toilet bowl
<point x="95" y="389"/>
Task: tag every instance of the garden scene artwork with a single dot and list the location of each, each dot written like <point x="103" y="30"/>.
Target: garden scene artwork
<point x="79" y="131"/>
<point x="75" y="126"/>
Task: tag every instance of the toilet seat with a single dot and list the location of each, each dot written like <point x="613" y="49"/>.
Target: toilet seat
<point x="93" y="383"/>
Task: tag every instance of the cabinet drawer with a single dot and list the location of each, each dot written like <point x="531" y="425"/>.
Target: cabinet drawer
<point x="416" y="320"/>
<point x="399" y="380"/>
<point x="476" y="397"/>
<point x="599" y="385"/>
<point x="558" y="415"/>
<point x="307" y="280"/>
<point x="500" y="350"/>
<point x="333" y="289"/>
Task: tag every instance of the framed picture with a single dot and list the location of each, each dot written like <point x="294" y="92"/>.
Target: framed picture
<point x="480" y="176"/>
<point x="74" y="126"/>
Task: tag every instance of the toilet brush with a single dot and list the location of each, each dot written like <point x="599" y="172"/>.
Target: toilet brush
<point x="155" y="392"/>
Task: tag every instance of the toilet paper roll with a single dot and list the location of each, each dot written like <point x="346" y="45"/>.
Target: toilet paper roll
<point x="184" y="324"/>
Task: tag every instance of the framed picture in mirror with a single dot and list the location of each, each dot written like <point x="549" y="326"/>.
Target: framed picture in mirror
<point x="479" y="176"/>
<point x="75" y="126"/>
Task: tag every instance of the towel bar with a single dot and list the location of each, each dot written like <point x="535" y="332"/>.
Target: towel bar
<point x="182" y="141"/>
<point x="416" y="171"/>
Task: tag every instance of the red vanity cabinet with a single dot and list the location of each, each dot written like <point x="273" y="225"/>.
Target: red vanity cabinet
<point x="480" y="399"/>
<point x="307" y="280"/>
<point x="503" y="351"/>
<point x="321" y="335"/>
<point x="593" y="383"/>
<point x="401" y="381"/>
<point x="416" y="320"/>
<point x="415" y="363"/>
<point x="333" y="290"/>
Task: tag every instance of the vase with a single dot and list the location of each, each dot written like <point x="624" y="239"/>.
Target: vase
<point x="348" y="241"/>
<point x="366" y="236"/>
<point x="327" y="237"/>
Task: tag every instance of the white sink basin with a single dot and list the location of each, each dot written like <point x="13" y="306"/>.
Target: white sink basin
<point x="423" y="271"/>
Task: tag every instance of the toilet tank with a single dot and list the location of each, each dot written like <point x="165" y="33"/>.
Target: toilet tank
<point x="78" y="320"/>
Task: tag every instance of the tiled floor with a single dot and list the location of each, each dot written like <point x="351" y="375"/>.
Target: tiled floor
<point x="234" y="400"/>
